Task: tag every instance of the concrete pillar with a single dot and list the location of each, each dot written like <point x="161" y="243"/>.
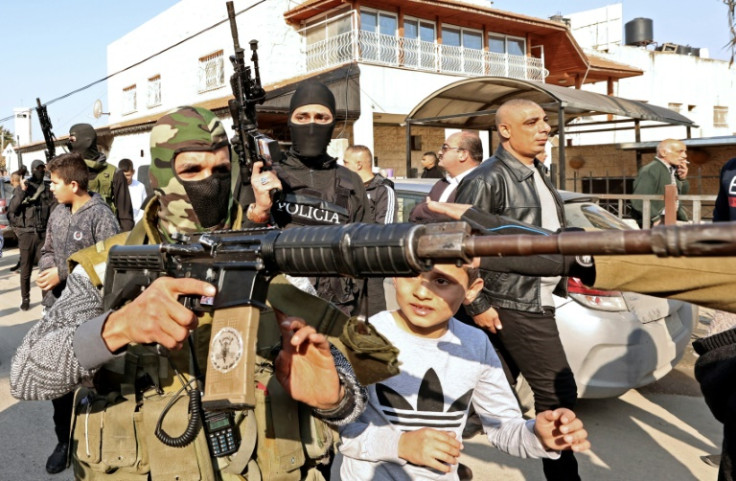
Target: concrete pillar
<point x="363" y="127"/>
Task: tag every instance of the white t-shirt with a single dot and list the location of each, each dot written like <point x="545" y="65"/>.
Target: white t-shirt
<point x="137" y="196"/>
<point x="438" y="381"/>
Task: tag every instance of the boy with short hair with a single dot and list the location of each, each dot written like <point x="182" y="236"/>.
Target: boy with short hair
<point x="80" y="220"/>
<point x="412" y="426"/>
<point x="137" y="190"/>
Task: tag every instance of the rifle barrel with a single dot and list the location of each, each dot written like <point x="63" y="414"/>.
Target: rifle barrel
<point x="233" y="25"/>
<point x="664" y="241"/>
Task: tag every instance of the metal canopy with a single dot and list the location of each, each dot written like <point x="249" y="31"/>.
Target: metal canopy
<point x="472" y="104"/>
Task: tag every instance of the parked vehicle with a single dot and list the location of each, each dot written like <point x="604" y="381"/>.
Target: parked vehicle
<point x="6" y="192"/>
<point x="614" y="341"/>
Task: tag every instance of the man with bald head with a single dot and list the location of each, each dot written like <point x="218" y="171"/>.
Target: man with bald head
<point x="668" y="167"/>
<point x="459" y="155"/>
<point x="518" y="311"/>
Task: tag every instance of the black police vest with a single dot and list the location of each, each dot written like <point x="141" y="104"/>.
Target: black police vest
<point x="302" y="205"/>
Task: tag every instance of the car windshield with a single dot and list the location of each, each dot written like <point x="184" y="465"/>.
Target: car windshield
<point x="406" y="202"/>
<point x="586" y="214"/>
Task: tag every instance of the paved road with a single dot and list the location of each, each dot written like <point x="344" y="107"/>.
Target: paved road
<point x="654" y="433"/>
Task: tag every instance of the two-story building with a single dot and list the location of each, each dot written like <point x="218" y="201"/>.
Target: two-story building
<point x="380" y="58"/>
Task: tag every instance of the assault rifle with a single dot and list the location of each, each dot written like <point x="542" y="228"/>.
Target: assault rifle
<point x="48" y="135"/>
<point x="240" y="264"/>
<point x="250" y="145"/>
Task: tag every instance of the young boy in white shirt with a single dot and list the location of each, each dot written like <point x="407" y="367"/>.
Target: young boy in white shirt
<point x="412" y="426"/>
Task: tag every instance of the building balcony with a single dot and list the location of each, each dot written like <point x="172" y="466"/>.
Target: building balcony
<point x="390" y="51"/>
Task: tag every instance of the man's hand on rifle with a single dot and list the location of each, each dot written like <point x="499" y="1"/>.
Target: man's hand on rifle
<point x="263" y="182"/>
<point x="305" y="366"/>
<point x="156" y="316"/>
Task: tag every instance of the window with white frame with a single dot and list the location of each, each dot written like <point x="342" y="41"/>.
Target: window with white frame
<point x="129" y="100"/>
<point x="378" y="36"/>
<point x="507" y="56"/>
<point x="154" y="91"/>
<point x="720" y="116"/>
<point x="328" y="26"/>
<point x="498" y="43"/>
<point x="211" y="71"/>
<point x="462" y="50"/>
<point x="329" y="39"/>
<point x="419" y="46"/>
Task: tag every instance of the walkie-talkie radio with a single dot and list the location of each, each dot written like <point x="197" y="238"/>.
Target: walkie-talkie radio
<point x="222" y="433"/>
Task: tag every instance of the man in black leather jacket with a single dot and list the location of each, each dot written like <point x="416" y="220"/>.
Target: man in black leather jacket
<point x="519" y="310"/>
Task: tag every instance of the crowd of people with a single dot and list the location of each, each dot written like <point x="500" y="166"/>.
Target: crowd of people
<point x="114" y="392"/>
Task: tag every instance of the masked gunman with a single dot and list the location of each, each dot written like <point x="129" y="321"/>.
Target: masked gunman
<point x="315" y="189"/>
<point x="140" y="391"/>
<point x="104" y="178"/>
<point x="30" y="208"/>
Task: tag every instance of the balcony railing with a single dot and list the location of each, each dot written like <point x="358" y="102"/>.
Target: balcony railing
<point x="389" y="50"/>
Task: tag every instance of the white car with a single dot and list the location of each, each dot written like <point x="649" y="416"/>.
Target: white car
<point x="614" y="341"/>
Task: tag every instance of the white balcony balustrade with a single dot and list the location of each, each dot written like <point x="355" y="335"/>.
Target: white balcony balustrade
<point x="388" y="50"/>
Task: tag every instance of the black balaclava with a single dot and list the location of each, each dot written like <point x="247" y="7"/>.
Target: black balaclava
<point x="36" y="172"/>
<point x="85" y="143"/>
<point x="309" y="141"/>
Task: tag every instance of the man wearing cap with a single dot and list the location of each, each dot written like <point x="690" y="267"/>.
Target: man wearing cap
<point x="30" y="208"/>
<point x="315" y="189"/>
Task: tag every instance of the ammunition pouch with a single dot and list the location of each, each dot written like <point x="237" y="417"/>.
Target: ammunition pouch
<point x="113" y="439"/>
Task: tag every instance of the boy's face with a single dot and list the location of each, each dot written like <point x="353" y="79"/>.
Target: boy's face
<point x="428" y="301"/>
<point x="63" y="192"/>
<point x="129" y="175"/>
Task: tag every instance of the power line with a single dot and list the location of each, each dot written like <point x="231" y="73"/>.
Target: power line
<point x="141" y="61"/>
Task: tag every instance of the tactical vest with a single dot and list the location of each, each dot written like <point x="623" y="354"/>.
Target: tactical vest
<point x="113" y="432"/>
<point x="102" y="182"/>
<point x="304" y="205"/>
<point x="35" y="209"/>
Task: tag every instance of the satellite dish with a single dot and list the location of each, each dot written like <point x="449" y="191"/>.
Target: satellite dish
<point x="97" y="109"/>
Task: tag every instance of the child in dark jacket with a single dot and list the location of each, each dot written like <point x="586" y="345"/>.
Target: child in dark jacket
<point x="80" y="220"/>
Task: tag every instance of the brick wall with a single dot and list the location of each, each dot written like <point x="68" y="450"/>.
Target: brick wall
<point x="389" y="143"/>
<point x="610" y="161"/>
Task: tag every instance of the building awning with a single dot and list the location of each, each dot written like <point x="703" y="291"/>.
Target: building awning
<point x="472" y="104"/>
